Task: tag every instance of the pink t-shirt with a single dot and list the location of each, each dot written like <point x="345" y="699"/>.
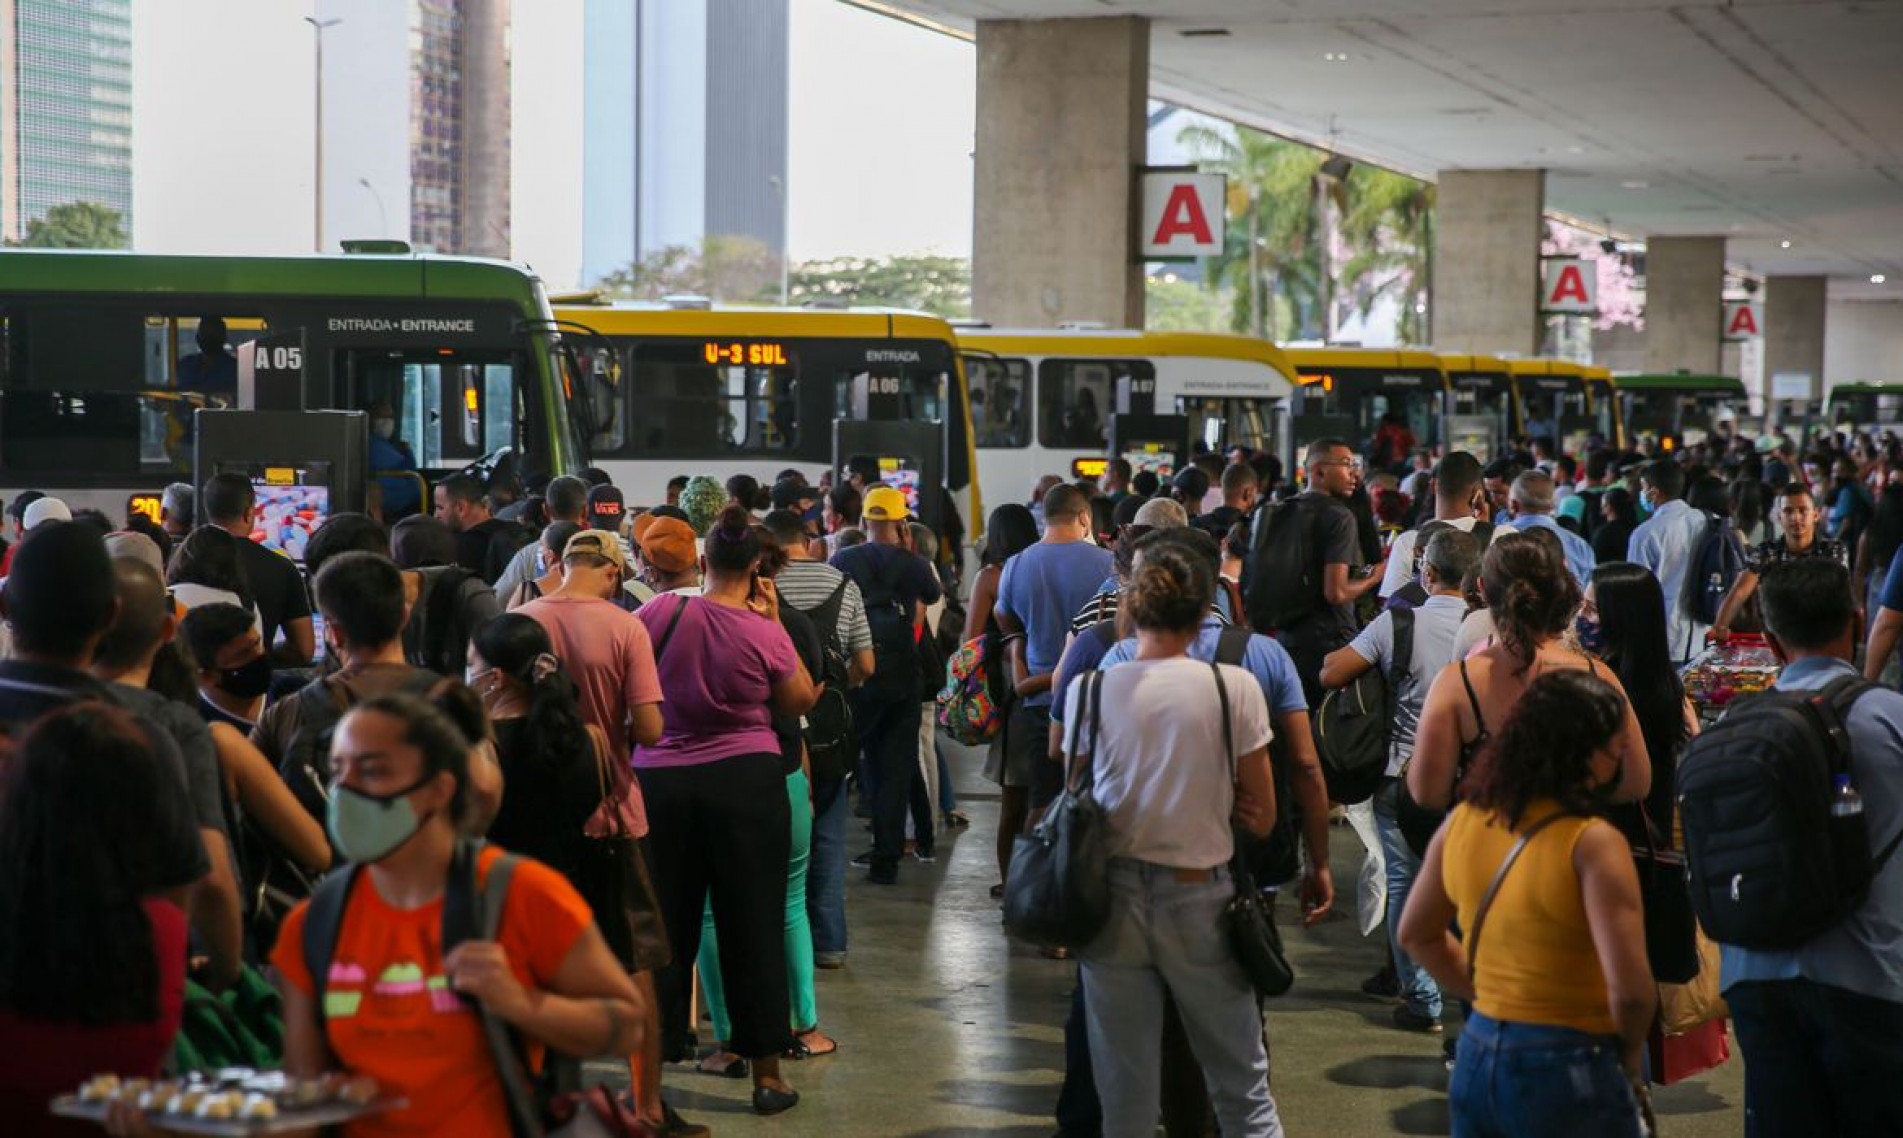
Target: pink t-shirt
<point x="608" y="653"/>
<point x="719" y="670"/>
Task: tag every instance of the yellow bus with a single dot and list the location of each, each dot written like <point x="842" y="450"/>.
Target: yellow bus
<point x="689" y="387"/>
<point x="1550" y="399"/>
<point x="1602" y="395"/>
<point x="1041" y="398"/>
<point x="1480" y="417"/>
<point x="1351" y="393"/>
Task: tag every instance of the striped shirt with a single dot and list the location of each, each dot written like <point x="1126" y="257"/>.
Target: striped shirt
<point x="807" y="585"/>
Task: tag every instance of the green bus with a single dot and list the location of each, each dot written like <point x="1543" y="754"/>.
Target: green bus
<point x="104" y="357"/>
<point x="1859" y="406"/>
<point x="1678" y="409"/>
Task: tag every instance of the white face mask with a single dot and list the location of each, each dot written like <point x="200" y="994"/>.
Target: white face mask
<point x="384" y="428"/>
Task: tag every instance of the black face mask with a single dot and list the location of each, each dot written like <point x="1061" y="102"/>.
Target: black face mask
<point x="248" y="681"/>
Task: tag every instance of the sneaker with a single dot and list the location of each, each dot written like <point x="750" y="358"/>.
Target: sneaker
<point x="1407" y="1019"/>
<point x="927" y="856"/>
<point x="1383" y="985"/>
<point x="829" y="960"/>
<point x="883" y="875"/>
<point x="863" y="861"/>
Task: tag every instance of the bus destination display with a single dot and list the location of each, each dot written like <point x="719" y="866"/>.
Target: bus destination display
<point x="744" y="355"/>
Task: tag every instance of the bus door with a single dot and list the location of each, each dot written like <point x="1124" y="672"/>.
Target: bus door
<point x="1223" y="423"/>
<point x="1481" y="415"/>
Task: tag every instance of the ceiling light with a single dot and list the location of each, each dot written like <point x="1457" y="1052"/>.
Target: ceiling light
<point x="1878" y="278"/>
<point x="1335" y="56"/>
<point x="1203" y="33"/>
<point x="1635" y="185"/>
<point x="1784" y="244"/>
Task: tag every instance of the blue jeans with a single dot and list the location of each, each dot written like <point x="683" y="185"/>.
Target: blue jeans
<point x="1817" y="1059"/>
<point x="947" y="794"/>
<point x="1164" y="937"/>
<point x="826" y="873"/>
<point x="1523" y="1080"/>
<point x="1417" y="987"/>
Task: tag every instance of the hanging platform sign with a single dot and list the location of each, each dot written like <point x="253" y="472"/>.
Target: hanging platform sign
<point x="1569" y="286"/>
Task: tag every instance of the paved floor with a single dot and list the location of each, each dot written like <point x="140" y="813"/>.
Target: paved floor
<point x="947" y="1028"/>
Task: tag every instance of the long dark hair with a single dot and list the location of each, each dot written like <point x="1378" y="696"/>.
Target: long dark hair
<point x="519" y="647"/>
<point x="209" y="557"/>
<point x="1011" y="530"/>
<point x="1885" y="531"/>
<point x="78" y="804"/>
<point x="1632" y="618"/>
<point x="1545" y="747"/>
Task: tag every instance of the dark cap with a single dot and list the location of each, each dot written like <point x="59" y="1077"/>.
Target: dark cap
<point x="606" y="504"/>
<point x="1192" y="481"/>
<point x="788" y="494"/>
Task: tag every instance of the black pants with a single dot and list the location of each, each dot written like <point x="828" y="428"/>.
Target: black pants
<point x="1818" y="1060"/>
<point x="719" y="833"/>
<point x="888" y="756"/>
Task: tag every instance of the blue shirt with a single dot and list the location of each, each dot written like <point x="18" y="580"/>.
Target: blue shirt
<point x="1665" y="543"/>
<point x="1042" y="587"/>
<point x="1579" y="555"/>
<point x="1264" y="659"/>
<point x="1893" y="584"/>
<point x="1864" y="954"/>
<point x="400" y="495"/>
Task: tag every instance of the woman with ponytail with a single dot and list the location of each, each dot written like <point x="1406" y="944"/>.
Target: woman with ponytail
<point x="720" y="826"/>
<point x="549" y="764"/>
<point x="1533" y="599"/>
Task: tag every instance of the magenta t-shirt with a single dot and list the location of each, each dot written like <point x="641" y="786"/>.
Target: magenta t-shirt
<point x="718" y="671"/>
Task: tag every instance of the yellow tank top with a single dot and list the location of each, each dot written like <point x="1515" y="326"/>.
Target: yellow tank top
<point x="1537" y="961"/>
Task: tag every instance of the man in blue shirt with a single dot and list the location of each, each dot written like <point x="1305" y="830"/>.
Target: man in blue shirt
<point x="401" y="496"/>
<point x="1666" y="543"/>
<point x="1531" y="502"/>
<point x="1039" y="591"/>
<point x="212" y="367"/>
<point x="1821" y="1026"/>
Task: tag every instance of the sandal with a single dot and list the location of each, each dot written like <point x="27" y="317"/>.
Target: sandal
<point x="953" y="820"/>
<point x="802" y="1049"/>
<point x="735" y="1067"/>
<point x="997" y="891"/>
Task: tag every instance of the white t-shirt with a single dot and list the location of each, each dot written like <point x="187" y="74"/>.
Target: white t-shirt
<point x="1162" y="779"/>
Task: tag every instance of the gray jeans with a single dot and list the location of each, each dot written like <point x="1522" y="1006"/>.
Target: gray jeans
<point x="1164" y="934"/>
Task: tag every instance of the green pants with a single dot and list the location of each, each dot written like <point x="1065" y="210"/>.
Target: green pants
<point x="799" y="933"/>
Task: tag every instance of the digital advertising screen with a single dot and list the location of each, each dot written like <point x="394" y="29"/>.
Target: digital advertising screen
<point x="1157" y="458"/>
<point x="899" y="474"/>
<point x="292" y="501"/>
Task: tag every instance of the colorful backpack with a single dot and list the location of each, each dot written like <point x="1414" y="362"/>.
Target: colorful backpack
<point x="967" y="709"/>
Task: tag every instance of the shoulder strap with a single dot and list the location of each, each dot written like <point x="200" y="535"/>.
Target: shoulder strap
<point x="667" y="634"/>
<point x="1473" y="701"/>
<point x="826" y="616"/>
<point x="1083" y="747"/>
<point x="323" y="920"/>
<point x="1493" y="887"/>
<point x="470" y="913"/>
<point x="1403" y="619"/>
<point x="1232" y="644"/>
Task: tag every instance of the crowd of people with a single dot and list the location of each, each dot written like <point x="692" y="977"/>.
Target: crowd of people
<point x="674" y="713"/>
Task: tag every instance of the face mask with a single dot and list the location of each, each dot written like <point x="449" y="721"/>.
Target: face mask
<point x="248" y="681"/>
<point x="368" y="828"/>
<point x="472" y="679"/>
<point x="384" y="428"/>
<point x="1591" y="637"/>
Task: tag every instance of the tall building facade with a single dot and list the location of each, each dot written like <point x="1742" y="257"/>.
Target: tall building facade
<point x="459" y="126"/>
<point x="65" y="108"/>
<point x="685" y="126"/>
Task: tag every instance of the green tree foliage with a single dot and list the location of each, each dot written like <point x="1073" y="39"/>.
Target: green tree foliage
<point x="732" y="269"/>
<point x="76" y="225"/>
<point x="938" y="285"/>
<point x="1171" y="304"/>
<point x="1303" y="247"/>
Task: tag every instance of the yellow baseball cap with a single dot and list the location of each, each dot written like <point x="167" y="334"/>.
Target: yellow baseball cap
<point x="886" y="504"/>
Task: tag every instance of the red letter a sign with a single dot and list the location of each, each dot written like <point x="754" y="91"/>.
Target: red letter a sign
<point x="1566" y="286"/>
<point x="1570" y="286"/>
<point x="1182" y="215"/>
<point x="1741" y="320"/>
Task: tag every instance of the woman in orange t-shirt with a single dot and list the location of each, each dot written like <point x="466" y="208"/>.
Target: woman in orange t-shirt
<point x="393" y="1006"/>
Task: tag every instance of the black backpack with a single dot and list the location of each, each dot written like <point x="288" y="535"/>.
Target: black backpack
<point x="1769" y="865"/>
<point x="1285" y="584"/>
<point x="896" y="675"/>
<point x="1414" y="594"/>
<point x="1354" y="728"/>
<point x="830" y="740"/>
<point x="322" y="703"/>
<point x="1717" y="561"/>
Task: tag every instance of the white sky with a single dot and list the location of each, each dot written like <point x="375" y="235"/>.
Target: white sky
<point x="881" y="133"/>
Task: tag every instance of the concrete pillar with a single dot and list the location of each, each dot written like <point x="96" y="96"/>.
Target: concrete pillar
<point x="485" y="128"/>
<point x="1684" y="303"/>
<point x="1794" y="329"/>
<point x="1061" y="132"/>
<point x="1486" y="287"/>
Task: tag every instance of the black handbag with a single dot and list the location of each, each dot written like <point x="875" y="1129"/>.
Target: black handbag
<point x="1671" y="927"/>
<point x="1248" y="920"/>
<point x="1058" y="892"/>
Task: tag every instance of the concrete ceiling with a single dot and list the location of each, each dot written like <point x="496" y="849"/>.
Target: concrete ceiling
<point x="1764" y="121"/>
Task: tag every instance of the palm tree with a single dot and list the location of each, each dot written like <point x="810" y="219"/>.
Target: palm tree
<point x="1388" y="226"/>
<point x="1271" y="246"/>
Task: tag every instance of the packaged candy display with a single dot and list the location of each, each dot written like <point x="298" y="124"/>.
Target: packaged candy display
<point x="1722" y="673"/>
<point x="235" y="1101"/>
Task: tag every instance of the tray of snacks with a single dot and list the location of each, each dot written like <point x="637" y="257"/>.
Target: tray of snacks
<point x="1741" y="666"/>
<point x="236" y="1101"/>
